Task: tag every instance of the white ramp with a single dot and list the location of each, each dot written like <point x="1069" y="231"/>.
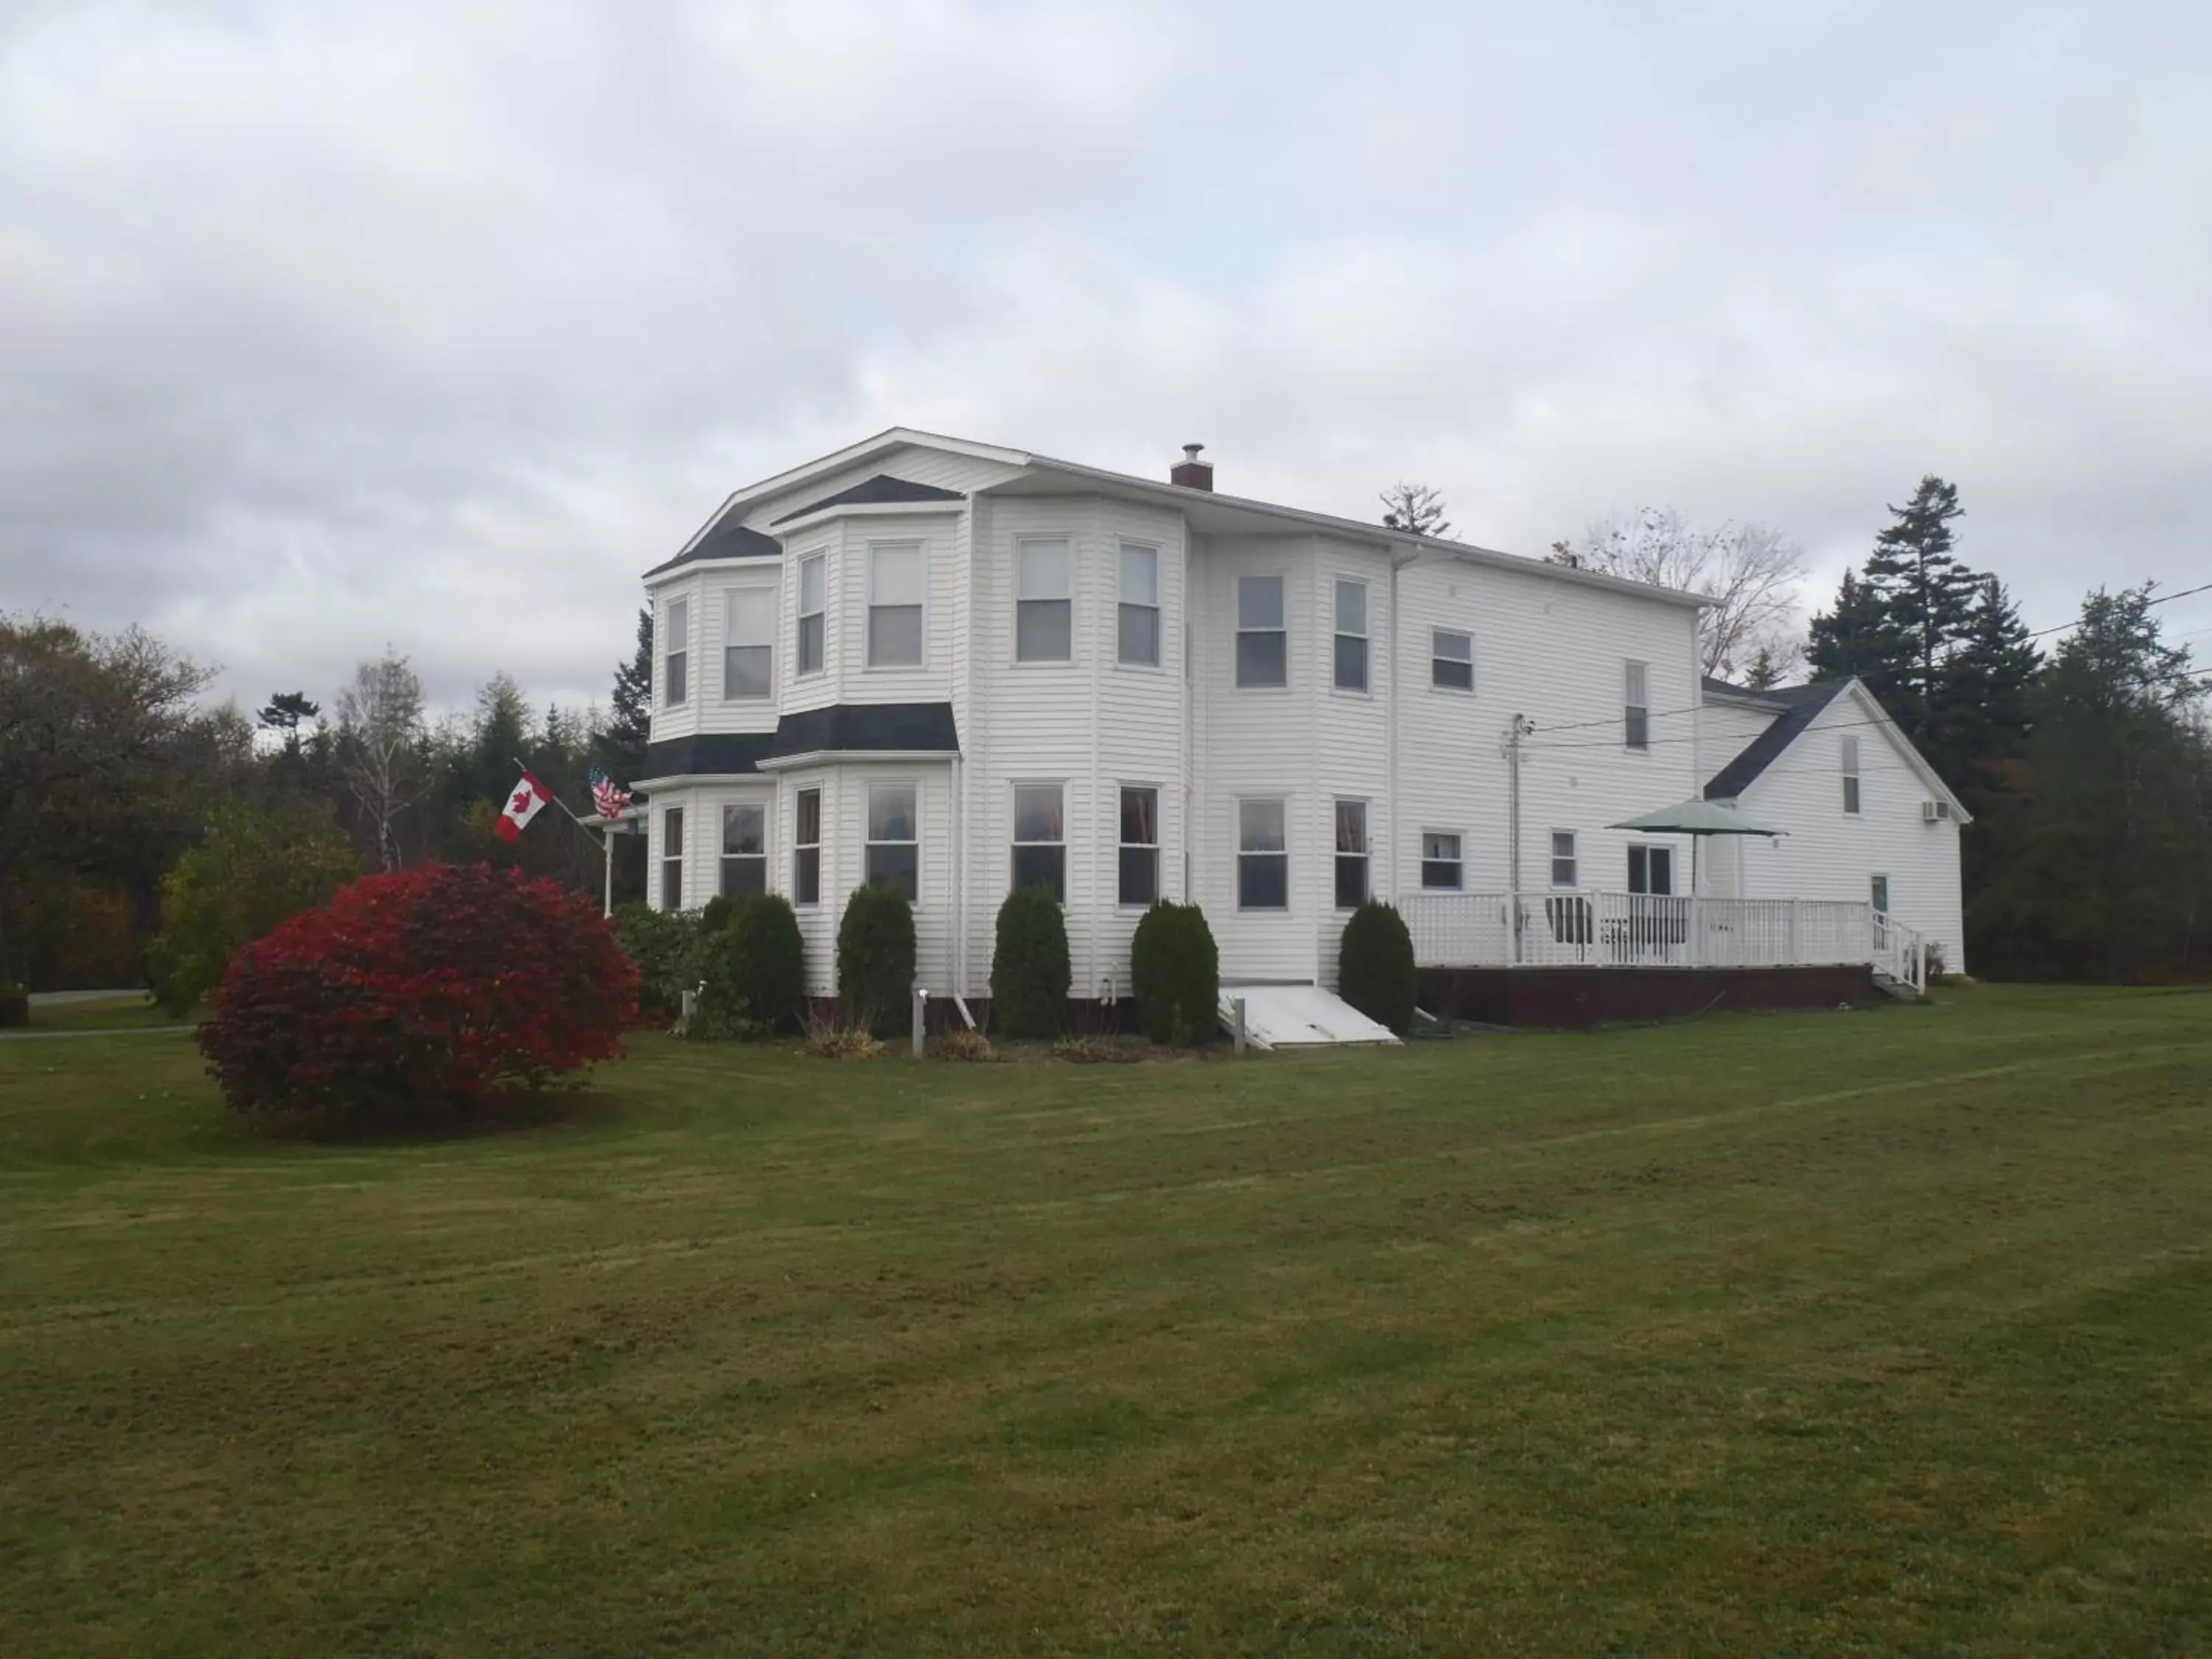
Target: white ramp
<point x="1297" y="1016"/>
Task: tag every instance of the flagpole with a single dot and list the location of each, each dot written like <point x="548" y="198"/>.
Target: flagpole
<point x="605" y="840"/>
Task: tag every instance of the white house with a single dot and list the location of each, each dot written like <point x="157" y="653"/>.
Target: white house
<point x="959" y="668"/>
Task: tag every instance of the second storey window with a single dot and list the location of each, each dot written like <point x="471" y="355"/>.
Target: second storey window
<point x="671" y="858"/>
<point x="1441" y="866"/>
<point x="894" y="855"/>
<point x="749" y="645"/>
<point x="1564" y="866"/>
<point x="1263" y="860"/>
<point x="895" y="586"/>
<point x="1138" y="624"/>
<point x="1851" y="776"/>
<point x="1138" y="883"/>
<point x="744" y="850"/>
<point x="1039" y="839"/>
<point x="1452" y="659"/>
<point x="1636" y="705"/>
<point x="1044" y="601"/>
<point x="813" y="608"/>
<point x="675" y="654"/>
<point x="1351" y="854"/>
<point x="806" y="849"/>
<point x="1263" y="654"/>
<point x="1351" y="635"/>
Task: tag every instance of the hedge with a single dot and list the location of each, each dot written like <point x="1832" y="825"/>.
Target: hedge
<point x="753" y="971"/>
<point x="1028" y="967"/>
<point x="875" y="957"/>
<point x="1175" y="973"/>
<point x="1374" y="967"/>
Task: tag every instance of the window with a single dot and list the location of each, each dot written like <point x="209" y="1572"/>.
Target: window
<point x="1140" y="881"/>
<point x="1351" y="635"/>
<point x="748" y="644"/>
<point x="1262" y="646"/>
<point x="671" y="858"/>
<point x="1040" y="839"/>
<point x="1263" y="860"/>
<point x="1440" y="860"/>
<point x="807" y="849"/>
<point x="1851" y="776"/>
<point x="1636" y="700"/>
<point x="813" y="603"/>
<point x="744" y="850"/>
<point x="1651" y="870"/>
<point x="1879" y="886"/>
<point x="1138" y="622"/>
<point x="895" y="585"/>
<point x="1044" y="602"/>
<point x="1351" y="854"/>
<point x="675" y="654"/>
<point x="894" y="854"/>
<point x="1452" y="659"/>
<point x="1564" y="870"/>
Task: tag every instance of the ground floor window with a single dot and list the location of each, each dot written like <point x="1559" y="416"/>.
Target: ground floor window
<point x="1880" y="893"/>
<point x="806" y="849"/>
<point x="1263" y="859"/>
<point x="671" y="858"/>
<point x="1565" y="869"/>
<point x="894" y="852"/>
<point x="1441" y="864"/>
<point x="1351" y="854"/>
<point x="744" y="850"/>
<point x="1651" y="870"/>
<point x="1140" y="874"/>
<point x="1041" y="838"/>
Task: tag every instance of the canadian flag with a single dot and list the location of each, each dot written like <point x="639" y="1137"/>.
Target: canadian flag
<point x="528" y="800"/>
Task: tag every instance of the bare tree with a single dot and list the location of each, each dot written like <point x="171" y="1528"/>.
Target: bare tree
<point x="379" y="746"/>
<point x="1415" y="508"/>
<point x="1749" y="571"/>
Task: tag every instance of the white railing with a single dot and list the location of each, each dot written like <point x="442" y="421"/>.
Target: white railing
<point x="1645" y="930"/>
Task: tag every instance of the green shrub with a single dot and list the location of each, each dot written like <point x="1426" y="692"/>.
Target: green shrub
<point x="717" y="914"/>
<point x="875" y="958"/>
<point x="1028" y="966"/>
<point x="1374" y="970"/>
<point x="665" y="946"/>
<point x="255" y="869"/>
<point x="752" y="971"/>
<point x="15" y="1004"/>
<point x="1176" y="972"/>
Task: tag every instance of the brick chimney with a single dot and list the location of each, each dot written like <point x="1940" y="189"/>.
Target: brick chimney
<point x="1191" y="472"/>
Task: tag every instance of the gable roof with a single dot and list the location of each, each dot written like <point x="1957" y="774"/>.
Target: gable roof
<point x="1799" y="706"/>
<point x="871" y="491"/>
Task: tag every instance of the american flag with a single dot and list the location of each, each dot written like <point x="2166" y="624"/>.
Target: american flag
<point x="610" y="798"/>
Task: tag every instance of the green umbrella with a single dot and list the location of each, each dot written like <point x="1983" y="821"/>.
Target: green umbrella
<point x="1697" y="819"/>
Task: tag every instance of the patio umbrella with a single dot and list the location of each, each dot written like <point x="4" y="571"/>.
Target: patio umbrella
<point x="1697" y="819"/>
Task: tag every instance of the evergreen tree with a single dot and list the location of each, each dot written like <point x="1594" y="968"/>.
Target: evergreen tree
<point x="1927" y="599"/>
<point x="624" y="740"/>
<point x="1983" y="692"/>
<point x="1854" y="638"/>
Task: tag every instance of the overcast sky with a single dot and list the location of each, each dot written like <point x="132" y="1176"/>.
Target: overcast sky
<point x="326" y="326"/>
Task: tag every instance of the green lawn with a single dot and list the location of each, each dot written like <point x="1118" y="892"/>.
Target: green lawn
<point x="1887" y="1332"/>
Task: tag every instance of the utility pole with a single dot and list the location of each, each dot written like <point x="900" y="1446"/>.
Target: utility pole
<point x="1522" y="727"/>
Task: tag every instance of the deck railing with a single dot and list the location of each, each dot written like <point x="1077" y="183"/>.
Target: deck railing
<point x="1649" y="930"/>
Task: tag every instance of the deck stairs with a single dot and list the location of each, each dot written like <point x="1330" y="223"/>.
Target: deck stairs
<point x="1298" y="1017"/>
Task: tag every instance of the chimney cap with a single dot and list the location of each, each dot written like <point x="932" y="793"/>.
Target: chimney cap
<point x="1190" y="451"/>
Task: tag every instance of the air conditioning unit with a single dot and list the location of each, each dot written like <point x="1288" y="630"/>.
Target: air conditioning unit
<point x="1935" y="811"/>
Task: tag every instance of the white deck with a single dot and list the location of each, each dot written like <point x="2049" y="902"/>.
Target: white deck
<point x="1298" y="1017"/>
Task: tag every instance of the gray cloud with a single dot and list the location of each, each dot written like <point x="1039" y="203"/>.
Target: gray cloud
<point x="326" y="327"/>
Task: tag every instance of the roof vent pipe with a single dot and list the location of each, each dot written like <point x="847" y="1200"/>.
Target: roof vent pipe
<point x="1191" y="472"/>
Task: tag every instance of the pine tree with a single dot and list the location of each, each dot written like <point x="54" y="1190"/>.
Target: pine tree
<point x="1854" y="638"/>
<point x="631" y="728"/>
<point x="1983" y="703"/>
<point x="1927" y="598"/>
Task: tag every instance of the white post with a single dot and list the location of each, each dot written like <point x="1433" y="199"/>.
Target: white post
<point x="607" y="856"/>
<point x="1236" y="1023"/>
<point x="920" y="1019"/>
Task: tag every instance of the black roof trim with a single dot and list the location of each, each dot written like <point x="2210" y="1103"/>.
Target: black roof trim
<point x="707" y="754"/>
<point x="882" y="488"/>
<point x="1773" y="698"/>
<point x="1800" y="705"/>
<point x="921" y="728"/>
<point x="726" y="540"/>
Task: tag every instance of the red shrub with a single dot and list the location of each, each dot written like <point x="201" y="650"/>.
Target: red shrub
<point x="412" y="994"/>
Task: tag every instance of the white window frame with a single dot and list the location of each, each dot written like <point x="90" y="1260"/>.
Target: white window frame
<point x="731" y="598"/>
<point x="1067" y="598"/>
<point x="1853" y="787"/>
<point x="1282" y="806"/>
<point x="820" y="561"/>
<point x="1365" y="635"/>
<point x="1437" y="658"/>
<point x="676" y="653"/>
<point x="1571" y="858"/>
<point x="1878" y="894"/>
<point x="1123" y="604"/>
<point x="1651" y="849"/>
<point x="800" y="847"/>
<point x="1636" y="706"/>
<point x="725" y="858"/>
<point x="919" y="605"/>
<point x="1342" y="856"/>
<point x="1281" y="630"/>
<point x="672" y="828"/>
<point x="1457" y="861"/>
<point x="869" y="844"/>
<point x="1015" y="843"/>
<point x="1123" y="847"/>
